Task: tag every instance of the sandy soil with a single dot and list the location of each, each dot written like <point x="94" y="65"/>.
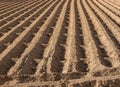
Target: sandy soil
<point x="59" y="43"/>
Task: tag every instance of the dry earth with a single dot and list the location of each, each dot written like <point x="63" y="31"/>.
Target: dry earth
<point x="59" y="43"/>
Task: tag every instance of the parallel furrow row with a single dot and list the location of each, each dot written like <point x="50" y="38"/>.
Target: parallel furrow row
<point x="13" y="17"/>
<point x="14" y="32"/>
<point x="108" y="44"/>
<point x="112" y="9"/>
<point x="15" y="10"/>
<point x="60" y="43"/>
<point x="108" y="12"/>
<point x="26" y="57"/>
<point x="111" y="26"/>
<point x="112" y="4"/>
<point x="20" y="43"/>
<point x="12" y="6"/>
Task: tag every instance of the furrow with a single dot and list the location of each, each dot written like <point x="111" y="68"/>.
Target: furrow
<point x="108" y="44"/>
<point x="41" y="66"/>
<point x="113" y="29"/>
<point x="117" y="3"/>
<point x="108" y="12"/>
<point x="7" y="5"/>
<point x="70" y="54"/>
<point x="59" y="43"/>
<point x="15" y="31"/>
<point x="81" y="64"/>
<point x="111" y="8"/>
<point x="101" y="50"/>
<point x="18" y="44"/>
<point x="14" y="10"/>
<point x="112" y="4"/>
<point x="12" y="20"/>
<point x="57" y="66"/>
<point x="92" y="51"/>
<point x="12" y="6"/>
<point x="50" y="49"/>
<point x="17" y="67"/>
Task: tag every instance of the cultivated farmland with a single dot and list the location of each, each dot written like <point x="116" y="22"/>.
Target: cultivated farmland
<point x="59" y="43"/>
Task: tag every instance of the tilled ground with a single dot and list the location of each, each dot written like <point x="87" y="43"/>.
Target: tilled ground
<point x="59" y="43"/>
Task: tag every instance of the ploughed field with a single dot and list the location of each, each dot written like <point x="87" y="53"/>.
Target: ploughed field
<point x="60" y="43"/>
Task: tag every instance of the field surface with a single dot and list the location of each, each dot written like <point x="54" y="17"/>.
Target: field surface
<point x="59" y="43"/>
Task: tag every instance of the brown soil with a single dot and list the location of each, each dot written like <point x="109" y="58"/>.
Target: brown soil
<point x="59" y="43"/>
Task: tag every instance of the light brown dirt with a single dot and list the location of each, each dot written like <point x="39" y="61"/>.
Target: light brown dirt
<point x="59" y="43"/>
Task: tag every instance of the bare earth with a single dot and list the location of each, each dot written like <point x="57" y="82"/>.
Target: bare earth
<point x="59" y="43"/>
